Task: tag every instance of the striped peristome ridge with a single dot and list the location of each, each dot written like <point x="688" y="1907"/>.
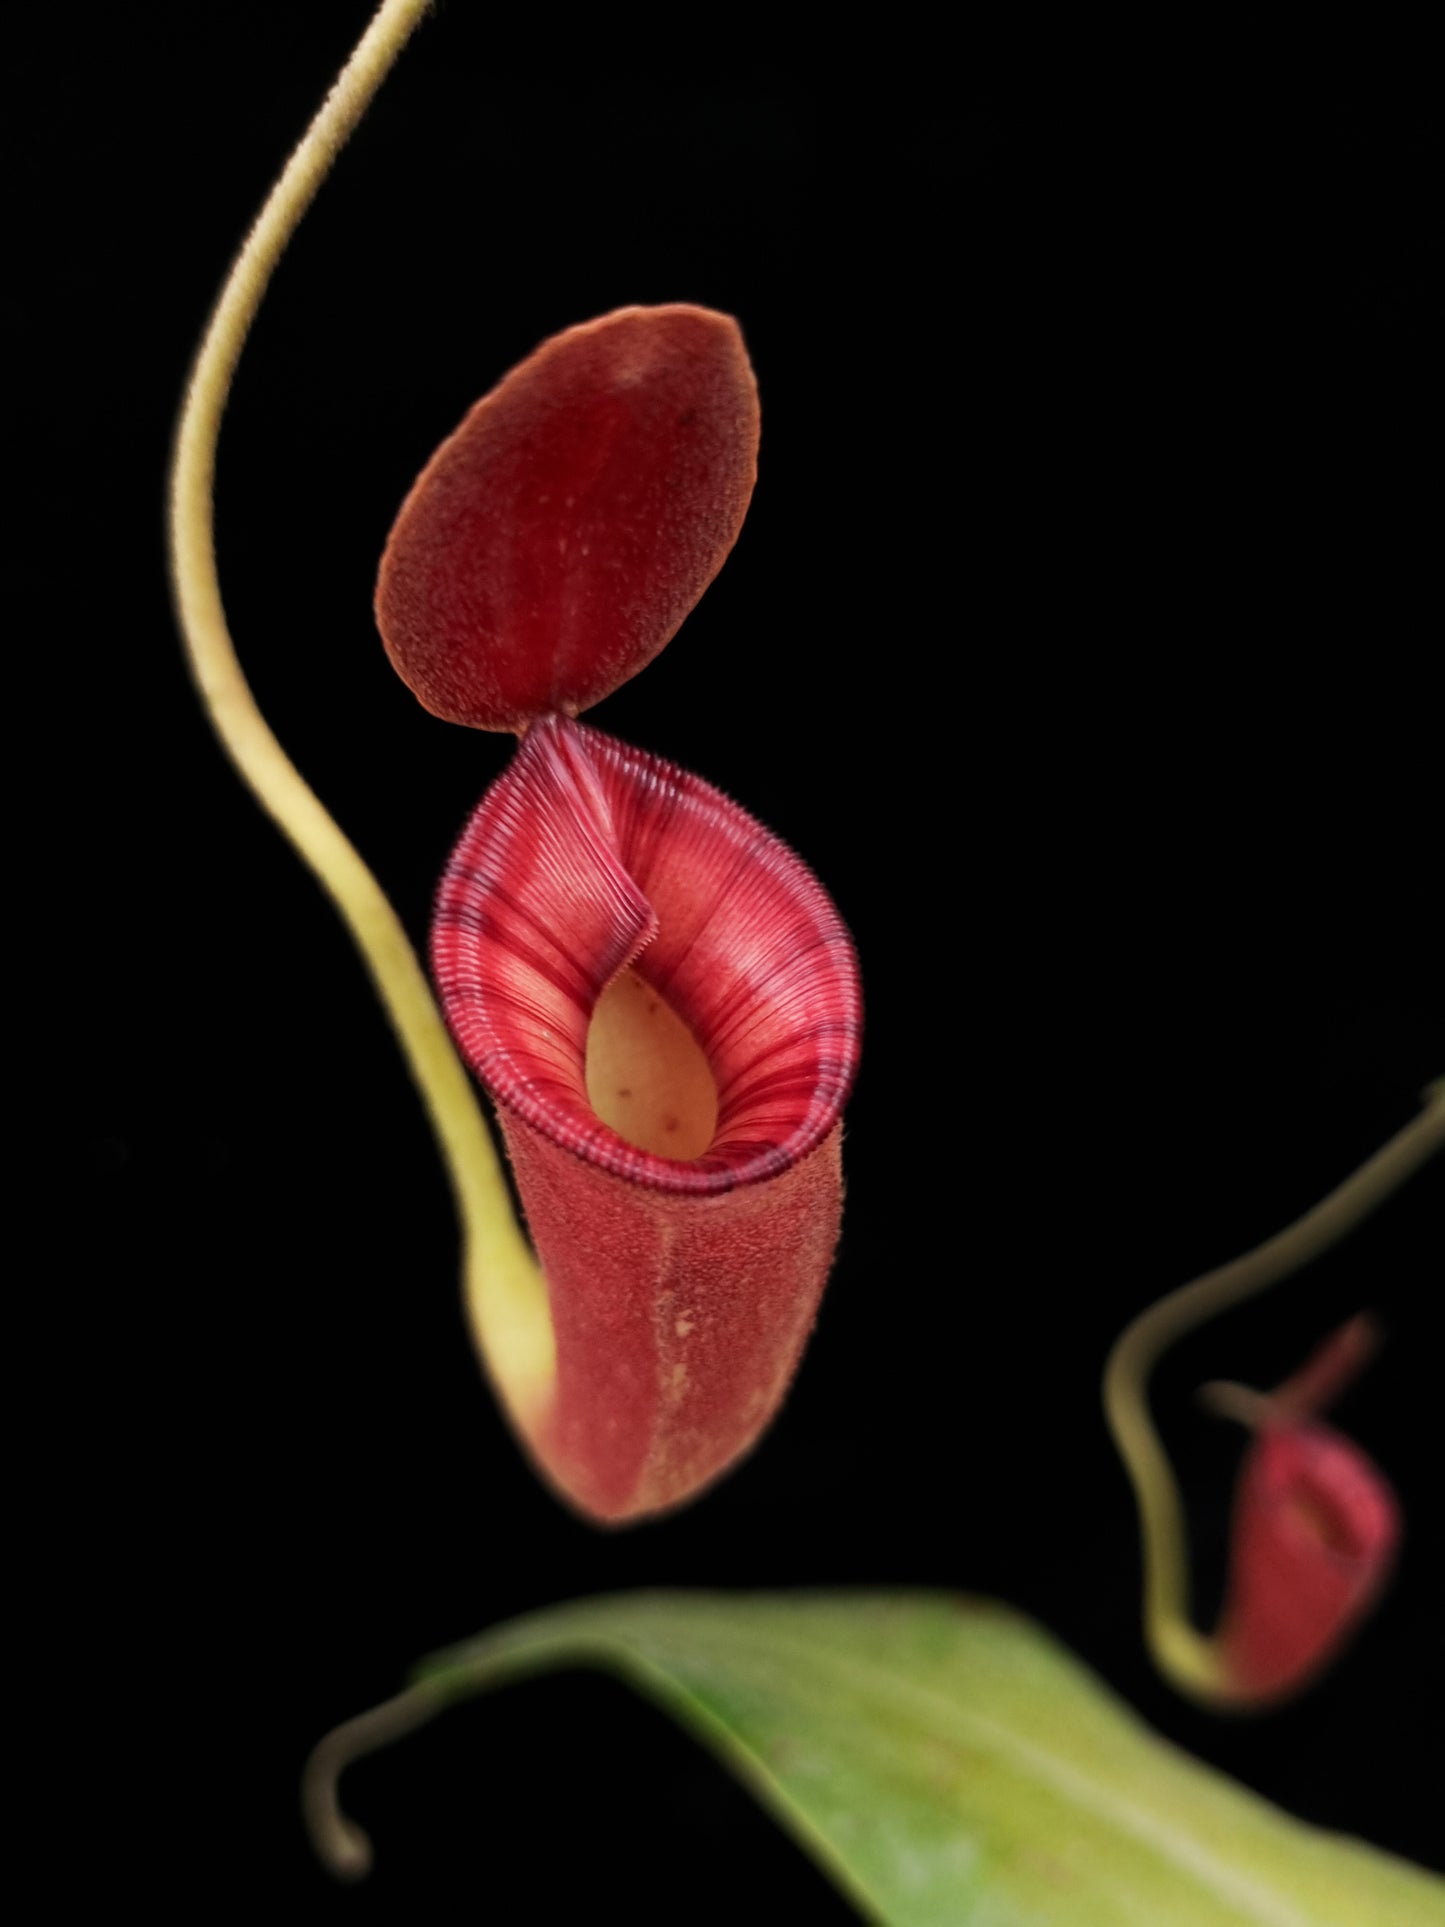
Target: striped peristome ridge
<point x="588" y="855"/>
<point x="681" y="1292"/>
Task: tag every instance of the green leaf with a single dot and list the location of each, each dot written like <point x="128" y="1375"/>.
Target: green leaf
<point x="946" y="1761"/>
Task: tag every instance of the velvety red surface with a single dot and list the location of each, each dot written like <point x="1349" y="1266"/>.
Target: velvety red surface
<point x="1316" y="1529"/>
<point x="680" y="1319"/>
<point x="556" y="541"/>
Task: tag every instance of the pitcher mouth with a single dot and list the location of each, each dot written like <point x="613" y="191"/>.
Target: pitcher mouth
<point x="588" y="859"/>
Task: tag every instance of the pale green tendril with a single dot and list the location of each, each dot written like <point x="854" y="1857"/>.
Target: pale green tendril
<point x="506" y="1296"/>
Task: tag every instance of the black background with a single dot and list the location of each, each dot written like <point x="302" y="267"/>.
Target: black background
<point x="1079" y="639"/>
